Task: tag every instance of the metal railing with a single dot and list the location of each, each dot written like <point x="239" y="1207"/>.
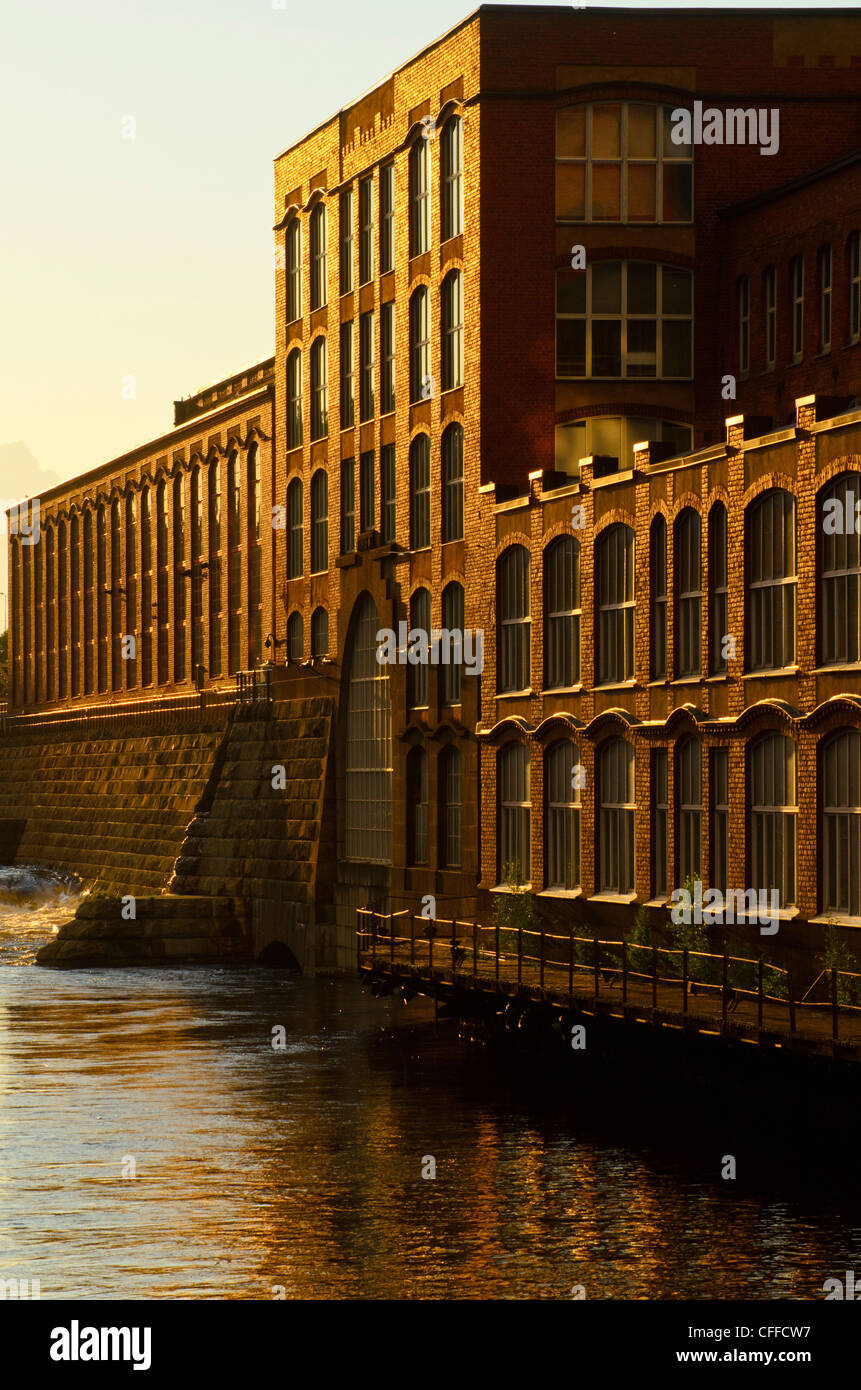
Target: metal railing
<point x="719" y="988"/>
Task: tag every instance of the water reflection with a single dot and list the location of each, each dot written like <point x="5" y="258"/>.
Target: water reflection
<point x="302" y="1168"/>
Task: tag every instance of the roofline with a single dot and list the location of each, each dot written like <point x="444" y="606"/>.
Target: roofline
<point x="802" y="181"/>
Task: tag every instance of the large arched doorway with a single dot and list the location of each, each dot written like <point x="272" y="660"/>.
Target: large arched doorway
<point x="367" y="742"/>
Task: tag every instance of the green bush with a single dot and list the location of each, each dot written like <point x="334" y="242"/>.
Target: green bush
<point x="839" y="957"/>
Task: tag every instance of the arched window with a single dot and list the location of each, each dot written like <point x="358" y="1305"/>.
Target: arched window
<point x="345" y="230"/>
<point x="615" y="567"/>
<point x="660" y="823"/>
<point x="720" y="819"/>
<point x="562" y="610"/>
<point x="102" y="590"/>
<point x="562" y="779"/>
<point x="234" y="565"/>
<point x="319" y="632"/>
<point x="451" y="178"/>
<point x="417" y="806"/>
<point x="294" y="529"/>
<point x="616" y="819"/>
<point x="421" y="384"/>
<point x="719" y="597"/>
<point x="255" y="605"/>
<point x="179" y="581"/>
<point x="147" y="587"/>
<point x="419" y="172"/>
<point x="319" y="389"/>
<point x="368" y="742"/>
<point x="452" y="483"/>
<point x="50" y="614"/>
<point x="293" y="246"/>
<point x="420" y="536"/>
<point x="319" y="277"/>
<point x="514" y="811"/>
<point x="513" y="619"/>
<point x="295" y="637"/>
<point x="658" y="555"/>
<point x="451" y="643"/>
<point x="417" y="665"/>
<point x="215" y="564"/>
<point x="690" y="801"/>
<point x="841" y="824"/>
<point x="618" y="162"/>
<point x="773" y="811"/>
<point x="89" y="609"/>
<point x="853" y="261"/>
<point x="62" y="592"/>
<point x="294" y="398"/>
<point x="629" y="319"/>
<point x="840" y="572"/>
<point x="449" y="809"/>
<point x="452" y="330"/>
<point x="771" y="589"/>
<point x="319" y="521"/>
<point x="688" y="548"/>
<point x="75" y="598"/>
<point x="825" y="262"/>
<point x="131" y="664"/>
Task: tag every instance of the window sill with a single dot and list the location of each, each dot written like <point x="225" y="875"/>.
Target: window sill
<point x="613" y="898"/>
<point x="783" y="914"/>
<point x="513" y="694"/>
<point x="716" y="680"/>
<point x="770" y="674"/>
<point x="563" y="689"/>
<point x="836" y="668"/>
<point x="560" y="893"/>
<point x="619" y="685"/>
<point x="834" y="920"/>
<point x="687" y="680"/>
<point x="506" y="888"/>
<point x="659" y="682"/>
<point x="658" y="902"/>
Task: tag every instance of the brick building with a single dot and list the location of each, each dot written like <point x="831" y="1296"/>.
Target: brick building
<point x="541" y="373"/>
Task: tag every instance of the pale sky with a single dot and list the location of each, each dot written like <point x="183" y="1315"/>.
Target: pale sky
<point x="151" y="257"/>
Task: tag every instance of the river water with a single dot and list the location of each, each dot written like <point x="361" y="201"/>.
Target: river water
<point x="297" y="1171"/>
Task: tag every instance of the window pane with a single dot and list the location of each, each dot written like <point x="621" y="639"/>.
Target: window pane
<point x="606" y="348"/>
<point x="571" y="293"/>
<point x="605" y="193"/>
<point x="641" y="192"/>
<point x="571" y="347"/>
<point x="642" y="287"/>
<point x="676" y="346"/>
<point x="641" y="132"/>
<point x="607" y="287"/>
<point x="571" y="133"/>
<point x="676" y="290"/>
<point x="678" y="183"/>
<point x="605" y="132"/>
<point x="571" y="190"/>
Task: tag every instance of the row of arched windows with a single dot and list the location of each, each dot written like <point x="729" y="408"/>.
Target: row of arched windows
<point x="772" y="813"/>
<point x="771" y="576"/>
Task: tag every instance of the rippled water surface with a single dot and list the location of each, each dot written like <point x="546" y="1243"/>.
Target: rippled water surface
<point x="302" y="1168"/>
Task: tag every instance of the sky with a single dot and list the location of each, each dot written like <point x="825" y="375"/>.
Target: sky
<point x="136" y="200"/>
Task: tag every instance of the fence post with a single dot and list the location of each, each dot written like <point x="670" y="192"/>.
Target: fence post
<point x="519" y="955"/>
<point x="791" y="1002"/>
<point x="392" y="938"/>
<point x="453" y="947"/>
<point x="373" y="939"/>
<point x="685" y="981"/>
<point x="496" y="950"/>
<point x="430" y="953"/>
<point x="624" y="971"/>
<point x="570" y="962"/>
<point x="541" y="963"/>
<point x="724" y="989"/>
<point x="833" y="1004"/>
<point x="412" y="938"/>
<point x="759" y="999"/>
<point x="654" y="981"/>
<point x="596" y="959"/>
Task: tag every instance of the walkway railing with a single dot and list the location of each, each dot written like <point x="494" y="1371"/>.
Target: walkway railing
<point x="731" y="993"/>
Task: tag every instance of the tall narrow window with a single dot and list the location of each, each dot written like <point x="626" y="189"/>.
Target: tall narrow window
<point x="769" y="288"/>
<point x="660" y="824"/>
<point x="452" y="330"/>
<point x="513" y="813"/>
<point x="387" y="492"/>
<point x="615" y="565"/>
<point x="773" y="812"/>
<point x="62" y="594"/>
<point x="255" y="605"/>
<point x="420" y="531"/>
<point x="840" y="572"/>
<point x="345" y="216"/>
<point x="825" y="267"/>
<point x="451" y="178"/>
<point x="319" y="389"/>
<point x="387" y="218"/>
<point x="215" y="569"/>
<point x="234" y="565"/>
<point x="718" y="608"/>
<point x="75" y="596"/>
<point x="720" y="819"/>
<point x="841" y="824"/>
<point x="419" y="197"/>
<point x="855" y="287"/>
<point x="417" y="806"/>
<point x="294" y="399"/>
<point x="366" y="233"/>
<point x="179" y="580"/>
<point x="319" y="632"/>
<point x="513" y="620"/>
<point x="367" y="490"/>
<point x="294" y="269"/>
<point x="658" y="548"/>
<point x="452" y="483"/>
<point x="771" y="588"/>
<point x="421" y="385"/>
<point x="89" y="611"/>
<point x="366" y="356"/>
<point x="616" y="817"/>
<point x="743" y="326"/>
<point x="417" y="669"/>
<point x="50" y="613"/>
<point x="348" y="377"/>
<point x="319" y="275"/>
<point x="688" y="545"/>
<point x="796" y="273"/>
<point x="348" y="506"/>
<point x="146" y="588"/>
<point x="451" y="655"/>
<point x="690" y="794"/>
<point x="387" y="358"/>
<point x="196" y="573"/>
<point x="162" y="583"/>
<point x="562" y="828"/>
<point x="319" y="521"/>
<point x="294" y="529"/>
<point x="295" y="637"/>
<point x="449" y="809"/>
<point x="368" y="743"/>
<point x="562" y="613"/>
